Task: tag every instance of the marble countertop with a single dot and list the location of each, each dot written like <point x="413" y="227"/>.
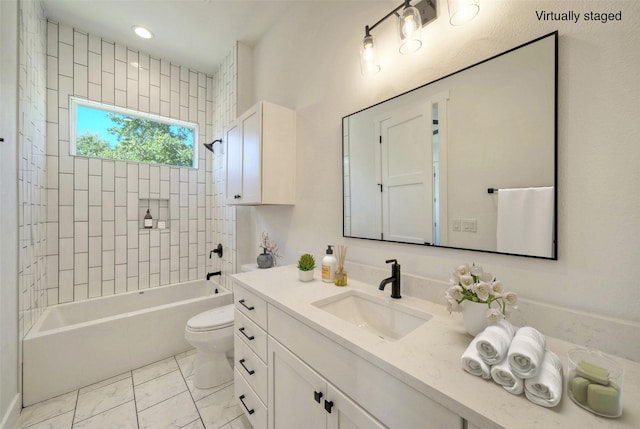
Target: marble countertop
<point x="428" y="358"/>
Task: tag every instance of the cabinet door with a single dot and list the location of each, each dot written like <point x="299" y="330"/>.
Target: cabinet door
<point x="233" y="140"/>
<point x="251" y="125"/>
<point x="345" y="414"/>
<point x="293" y="390"/>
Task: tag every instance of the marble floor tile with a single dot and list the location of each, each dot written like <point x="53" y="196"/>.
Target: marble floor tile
<point x="198" y="393"/>
<point x="182" y="355"/>
<point x="194" y="425"/>
<point x="175" y="412"/>
<point x="63" y="421"/>
<point x="103" y="399"/>
<point x="158" y="389"/>
<point x="104" y="382"/>
<point x="241" y="422"/>
<point x="47" y="409"/>
<point x="156" y="396"/>
<point x="219" y="408"/>
<point x="186" y="361"/>
<point x="154" y="370"/>
<point x="121" y="417"/>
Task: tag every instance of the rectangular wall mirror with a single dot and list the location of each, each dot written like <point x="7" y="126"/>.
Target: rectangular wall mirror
<point x="467" y="161"/>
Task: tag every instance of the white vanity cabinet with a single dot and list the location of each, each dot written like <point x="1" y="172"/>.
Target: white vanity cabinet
<point x="250" y="355"/>
<point x="301" y="398"/>
<point x="311" y="381"/>
<point x="261" y="156"/>
<point x="361" y="384"/>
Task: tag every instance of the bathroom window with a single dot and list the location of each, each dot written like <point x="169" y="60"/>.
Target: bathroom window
<point x="108" y="132"/>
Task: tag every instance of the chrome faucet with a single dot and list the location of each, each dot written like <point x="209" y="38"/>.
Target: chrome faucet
<point x="394" y="279"/>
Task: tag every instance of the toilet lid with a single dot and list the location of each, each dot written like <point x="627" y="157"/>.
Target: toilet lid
<point x="216" y="318"/>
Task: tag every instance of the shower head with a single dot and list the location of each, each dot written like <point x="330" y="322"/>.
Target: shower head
<point x="210" y="145"/>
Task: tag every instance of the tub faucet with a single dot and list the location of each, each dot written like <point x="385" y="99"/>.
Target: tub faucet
<point x="394" y="279"/>
<point x="215" y="273"/>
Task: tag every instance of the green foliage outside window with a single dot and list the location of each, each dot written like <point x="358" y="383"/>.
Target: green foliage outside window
<point x="136" y="139"/>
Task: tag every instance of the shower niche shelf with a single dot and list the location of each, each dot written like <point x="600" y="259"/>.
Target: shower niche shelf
<point x="159" y="209"/>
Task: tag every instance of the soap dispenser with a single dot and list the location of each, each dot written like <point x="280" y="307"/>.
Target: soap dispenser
<point x="148" y="220"/>
<point x="329" y="264"/>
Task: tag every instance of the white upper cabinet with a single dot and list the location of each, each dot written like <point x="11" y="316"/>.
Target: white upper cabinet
<point x="261" y="156"/>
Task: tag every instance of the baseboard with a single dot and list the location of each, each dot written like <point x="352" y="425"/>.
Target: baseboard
<point x="11" y="417"/>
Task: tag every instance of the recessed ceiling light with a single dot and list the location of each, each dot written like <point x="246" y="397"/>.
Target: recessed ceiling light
<point x="142" y="32"/>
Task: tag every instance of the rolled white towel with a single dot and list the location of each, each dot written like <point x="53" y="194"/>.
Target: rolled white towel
<point x="493" y="343"/>
<point x="526" y="352"/>
<point x="473" y="363"/>
<point x="502" y="374"/>
<point x="546" y="388"/>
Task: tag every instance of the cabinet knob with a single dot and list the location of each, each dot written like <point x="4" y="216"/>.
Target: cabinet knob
<point x="236" y="196"/>
<point x="328" y="405"/>
<point x="317" y="396"/>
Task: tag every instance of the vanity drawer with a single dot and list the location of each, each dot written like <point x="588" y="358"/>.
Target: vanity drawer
<point x="251" y="367"/>
<point x="251" y="335"/>
<point x="250" y="305"/>
<point x="249" y="402"/>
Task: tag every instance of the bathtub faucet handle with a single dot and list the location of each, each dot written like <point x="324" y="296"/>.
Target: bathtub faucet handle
<point x="217" y="250"/>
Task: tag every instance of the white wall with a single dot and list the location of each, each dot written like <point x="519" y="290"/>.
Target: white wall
<point x="32" y="172"/>
<point x="9" y="396"/>
<point x="309" y="62"/>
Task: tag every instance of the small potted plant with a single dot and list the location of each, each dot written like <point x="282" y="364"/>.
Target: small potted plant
<point x="306" y="265"/>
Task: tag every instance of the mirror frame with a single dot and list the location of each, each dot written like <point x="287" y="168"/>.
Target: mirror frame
<point x="553" y="34"/>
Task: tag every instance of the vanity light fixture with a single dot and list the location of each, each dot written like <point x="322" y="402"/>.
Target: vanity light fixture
<point x="462" y="11"/>
<point x="142" y="32"/>
<point x="411" y="19"/>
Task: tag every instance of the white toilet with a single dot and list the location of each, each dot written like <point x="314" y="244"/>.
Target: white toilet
<point x="211" y="333"/>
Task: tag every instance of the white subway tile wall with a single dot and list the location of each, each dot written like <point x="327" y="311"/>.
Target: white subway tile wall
<point x="33" y="199"/>
<point x="95" y="244"/>
<point x="223" y="225"/>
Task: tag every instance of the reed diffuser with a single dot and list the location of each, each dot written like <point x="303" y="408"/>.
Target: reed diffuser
<point x="340" y="278"/>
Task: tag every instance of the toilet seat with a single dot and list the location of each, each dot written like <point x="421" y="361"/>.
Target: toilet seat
<point x="210" y="320"/>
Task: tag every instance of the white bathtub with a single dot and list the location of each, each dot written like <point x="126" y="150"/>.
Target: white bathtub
<point x="76" y="344"/>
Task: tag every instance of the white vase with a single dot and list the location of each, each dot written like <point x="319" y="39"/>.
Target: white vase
<point x="474" y="315"/>
<point x="305" y="276"/>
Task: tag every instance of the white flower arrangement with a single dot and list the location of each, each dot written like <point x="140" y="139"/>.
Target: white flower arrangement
<point x="473" y="284"/>
<point x="271" y="247"/>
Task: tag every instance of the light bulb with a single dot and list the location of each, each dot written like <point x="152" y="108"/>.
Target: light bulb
<point x="409" y="26"/>
<point x="368" y="63"/>
<point x="462" y="11"/>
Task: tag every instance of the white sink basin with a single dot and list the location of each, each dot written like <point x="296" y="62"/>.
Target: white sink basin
<point x="387" y="319"/>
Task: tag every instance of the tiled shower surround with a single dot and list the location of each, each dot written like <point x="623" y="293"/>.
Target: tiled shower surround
<point x="95" y="245"/>
<point x="32" y="172"/>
